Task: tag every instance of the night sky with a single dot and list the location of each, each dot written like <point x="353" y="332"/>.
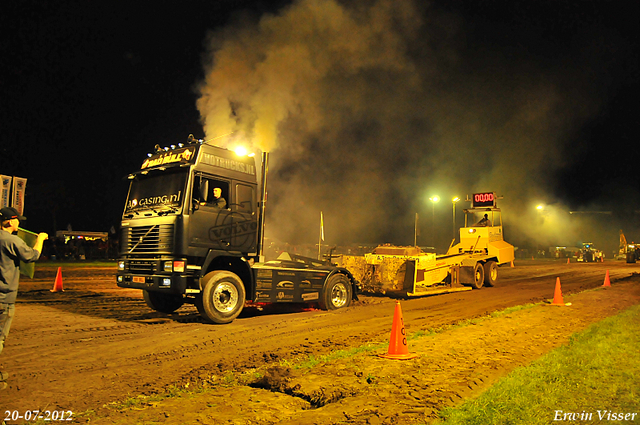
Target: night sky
<point x="373" y="107"/>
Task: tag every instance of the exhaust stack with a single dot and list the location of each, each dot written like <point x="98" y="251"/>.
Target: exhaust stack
<point x="263" y="202"/>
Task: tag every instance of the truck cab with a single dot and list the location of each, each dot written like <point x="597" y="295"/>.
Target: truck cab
<point x="192" y="231"/>
<point x="483" y="235"/>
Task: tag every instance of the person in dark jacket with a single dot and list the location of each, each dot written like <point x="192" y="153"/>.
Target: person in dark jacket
<point x="484" y="222"/>
<point x="12" y="251"/>
<point x="218" y="200"/>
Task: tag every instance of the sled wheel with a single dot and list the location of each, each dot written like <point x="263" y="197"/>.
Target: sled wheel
<point x="478" y="276"/>
<point x="490" y="273"/>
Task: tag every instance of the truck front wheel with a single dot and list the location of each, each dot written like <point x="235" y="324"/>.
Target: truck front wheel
<point x="223" y="297"/>
<point x="337" y="293"/>
<point x="164" y="303"/>
<point x="478" y="276"/>
<point x="490" y="273"/>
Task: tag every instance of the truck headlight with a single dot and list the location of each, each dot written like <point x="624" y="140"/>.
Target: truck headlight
<point x="168" y="266"/>
<point x="120" y="265"/>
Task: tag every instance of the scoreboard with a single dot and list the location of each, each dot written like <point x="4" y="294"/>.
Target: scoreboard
<point x="484" y="200"/>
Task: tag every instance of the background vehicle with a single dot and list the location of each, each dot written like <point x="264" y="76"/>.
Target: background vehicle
<point x="627" y="251"/>
<point x="589" y="254"/>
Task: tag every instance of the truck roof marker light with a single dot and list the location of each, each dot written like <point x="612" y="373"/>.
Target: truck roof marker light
<point x="173" y="146"/>
<point x="472" y="230"/>
<point x="180" y="145"/>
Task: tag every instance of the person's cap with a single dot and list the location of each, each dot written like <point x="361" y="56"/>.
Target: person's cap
<point x="9" y="213"/>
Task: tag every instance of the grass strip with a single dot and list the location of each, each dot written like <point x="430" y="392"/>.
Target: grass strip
<point x="595" y="378"/>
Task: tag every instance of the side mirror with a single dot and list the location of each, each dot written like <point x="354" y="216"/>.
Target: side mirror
<point x="204" y="190"/>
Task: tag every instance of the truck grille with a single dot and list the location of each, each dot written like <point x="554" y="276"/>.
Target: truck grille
<point x="148" y="267"/>
<point x="156" y="239"/>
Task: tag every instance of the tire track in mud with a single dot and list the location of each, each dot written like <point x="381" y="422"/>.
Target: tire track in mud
<point x="256" y="355"/>
<point x="104" y="345"/>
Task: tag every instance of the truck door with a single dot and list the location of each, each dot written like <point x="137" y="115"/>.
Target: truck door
<point x="244" y="217"/>
<point x="210" y="223"/>
<point x="228" y="222"/>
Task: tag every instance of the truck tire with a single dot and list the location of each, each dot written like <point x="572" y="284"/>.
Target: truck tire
<point x="478" y="276"/>
<point x="164" y="303"/>
<point x="337" y="293"/>
<point x="490" y="273"/>
<point x="223" y="297"/>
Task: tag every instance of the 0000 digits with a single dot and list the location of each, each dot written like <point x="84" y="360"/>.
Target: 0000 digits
<point x="34" y="415"/>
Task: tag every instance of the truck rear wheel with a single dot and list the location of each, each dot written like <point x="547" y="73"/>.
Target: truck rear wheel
<point x="478" y="276"/>
<point x="164" y="303"/>
<point x="223" y="297"/>
<point x="490" y="273"/>
<point x="337" y="293"/>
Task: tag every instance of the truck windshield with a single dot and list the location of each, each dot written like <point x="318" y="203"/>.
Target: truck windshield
<point x="161" y="192"/>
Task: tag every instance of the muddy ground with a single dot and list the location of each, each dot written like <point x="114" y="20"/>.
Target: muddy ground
<point x="94" y="345"/>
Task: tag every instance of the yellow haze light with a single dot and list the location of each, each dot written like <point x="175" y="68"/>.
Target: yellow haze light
<point x="241" y="151"/>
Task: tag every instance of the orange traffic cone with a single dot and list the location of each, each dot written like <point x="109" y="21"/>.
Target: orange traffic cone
<point x="568" y="261"/>
<point x="512" y="263"/>
<point x="607" y="282"/>
<point x="398" y="348"/>
<point x="557" y="295"/>
<point x="57" y="286"/>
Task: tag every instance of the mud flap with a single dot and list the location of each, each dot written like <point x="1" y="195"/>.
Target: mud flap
<point x="466" y="275"/>
<point x="409" y="284"/>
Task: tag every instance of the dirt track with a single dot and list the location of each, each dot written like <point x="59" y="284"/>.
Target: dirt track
<point x="95" y="343"/>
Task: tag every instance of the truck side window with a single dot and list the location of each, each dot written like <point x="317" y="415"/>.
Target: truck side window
<point x="244" y="198"/>
<point x="211" y="193"/>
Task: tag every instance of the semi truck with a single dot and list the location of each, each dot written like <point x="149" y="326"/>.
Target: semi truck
<point x="470" y="264"/>
<point x="192" y="231"/>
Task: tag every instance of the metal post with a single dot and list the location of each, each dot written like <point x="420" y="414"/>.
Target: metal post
<point x="320" y="236"/>
<point x="454" y="200"/>
<point x="433" y="200"/>
<point x="433" y="222"/>
<point x="454" y="221"/>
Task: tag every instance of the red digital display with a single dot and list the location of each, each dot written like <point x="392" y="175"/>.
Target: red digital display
<point x="485" y="200"/>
